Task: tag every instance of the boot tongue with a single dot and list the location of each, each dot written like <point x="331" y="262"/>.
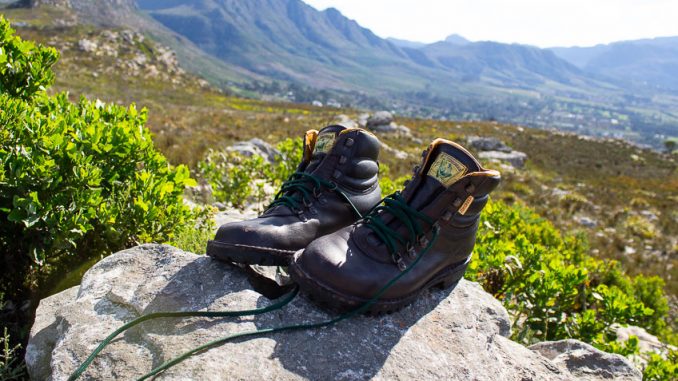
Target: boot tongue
<point x="445" y="163"/>
<point x="322" y="145"/>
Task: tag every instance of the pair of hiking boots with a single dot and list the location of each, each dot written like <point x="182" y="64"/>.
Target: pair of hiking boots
<point x="345" y="246"/>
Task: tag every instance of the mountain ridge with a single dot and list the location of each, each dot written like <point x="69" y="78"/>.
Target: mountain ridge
<point x="234" y="43"/>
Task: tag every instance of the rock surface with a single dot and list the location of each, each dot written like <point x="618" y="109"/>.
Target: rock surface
<point x="494" y="149"/>
<point x="257" y="147"/>
<point x="378" y="119"/>
<point x="487" y="144"/>
<point x="515" y="158"/>
<point x="586" y="362"/>
<point x="452" y="335"/>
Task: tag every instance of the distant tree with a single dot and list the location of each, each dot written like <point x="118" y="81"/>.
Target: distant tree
<point x="670" y="145"/>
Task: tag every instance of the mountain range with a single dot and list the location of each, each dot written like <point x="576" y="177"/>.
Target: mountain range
<point x="647" y="62"/>
<point x="626" y="89"/>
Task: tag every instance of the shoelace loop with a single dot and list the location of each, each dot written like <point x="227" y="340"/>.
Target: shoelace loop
<point x="298" y="191"/>
<point x="409" y="217"/>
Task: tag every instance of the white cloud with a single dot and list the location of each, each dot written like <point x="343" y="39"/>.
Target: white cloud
<point x="536" y="22"/>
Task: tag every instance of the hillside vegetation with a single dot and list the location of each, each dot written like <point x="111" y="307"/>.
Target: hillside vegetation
<point x="629" y="192"/>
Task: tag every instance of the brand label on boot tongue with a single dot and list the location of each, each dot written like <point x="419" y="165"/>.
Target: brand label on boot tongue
<point x="324" y="142"/>
<point x="446" y="169"/>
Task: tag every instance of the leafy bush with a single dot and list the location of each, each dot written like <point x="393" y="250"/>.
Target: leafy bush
<point x="659" y="368"/>
<point x="553" y="288"/>
<point x="76" y="180"/>
<point x="81" y="178"/>
<point x="238" y="180"/>
<point x="25" y="68"/>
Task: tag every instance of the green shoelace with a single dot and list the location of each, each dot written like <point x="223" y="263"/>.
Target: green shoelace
<point x="397" y="206"/>
<point x="393" y="204"/>
<point x="298" y="191"/>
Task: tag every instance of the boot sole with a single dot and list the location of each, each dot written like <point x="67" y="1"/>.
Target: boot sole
<point x="248" y="255"/>
<point x="337" y="302"/>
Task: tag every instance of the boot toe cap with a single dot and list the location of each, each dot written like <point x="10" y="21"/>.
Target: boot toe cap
<point x="335" y="264"/>
<point x="262" y="233"/>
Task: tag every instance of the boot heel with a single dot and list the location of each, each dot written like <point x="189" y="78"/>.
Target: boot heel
<point x="451" y="278"/>
<point x="450" y="282"/>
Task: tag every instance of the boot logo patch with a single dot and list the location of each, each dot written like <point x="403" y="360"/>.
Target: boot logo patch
<point x="324" y="143"/>
<point x="446" y="169"/>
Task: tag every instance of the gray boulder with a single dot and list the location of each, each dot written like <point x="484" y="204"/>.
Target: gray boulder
<point x="515" y="158"/>
<point x="379" y="118"/>
<point x="647" y="342"/>
<point x="344" y="120"/>
<point x="487" y="144"/>
<point x="451" y="335"/>
<point x="586" y="362"/>
<point x="256" y="146"/>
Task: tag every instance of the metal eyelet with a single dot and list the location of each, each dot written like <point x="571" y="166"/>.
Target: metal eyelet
<point x="402" y="266"/>
<point x="336" y="174"/>
<point x="423" y="241"/>
<point x="447" y="216"/>
<point x="411" y="252"/>
<point x="470" y="188"/>
<point x="343" y="160"/>
<point x="435" y="227"/>
<point x="457" y="202"/>
<point x="349" y="142"/>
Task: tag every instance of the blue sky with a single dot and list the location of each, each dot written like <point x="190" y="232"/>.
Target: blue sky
<point x="542" y="23"/>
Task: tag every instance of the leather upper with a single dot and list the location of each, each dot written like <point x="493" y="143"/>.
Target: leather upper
<point x="355" y="262"/>
<point x="350" y="163"/>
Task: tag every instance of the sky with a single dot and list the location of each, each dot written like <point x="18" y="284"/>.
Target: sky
<point x="543" y="23"/>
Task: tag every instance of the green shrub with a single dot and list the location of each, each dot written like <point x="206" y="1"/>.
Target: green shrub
<point x="76" y="180"/>
<point x="25" y="68"/>
<point x="193" y="237"/>
<point x="239" y="180"/>
<point x="551" y="286"/>
<point x="659" y="368"/>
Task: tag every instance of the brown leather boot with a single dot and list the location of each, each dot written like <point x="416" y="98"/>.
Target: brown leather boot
<point x="335" y="183"/>
<point x="424" y="235"/>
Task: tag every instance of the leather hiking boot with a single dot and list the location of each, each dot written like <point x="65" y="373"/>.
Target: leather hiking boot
<point x="417" y="239"/>
<point x="335" y="183"/>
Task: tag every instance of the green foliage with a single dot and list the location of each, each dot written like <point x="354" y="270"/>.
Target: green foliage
<point x="193" y="237"/>
<point x="553" y="288"/>
<point x="25" y="68"/>
<point x="76" y="180"/>
<point x="387" y="185"/>
<point x="659" y="368"/>
<point x="82" y="177"/>
<point x="237" y="179"/>
<point x="11" y="366"/>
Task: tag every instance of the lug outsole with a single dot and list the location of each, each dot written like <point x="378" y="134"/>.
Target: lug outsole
<point x="234" y="254"/>
<point x="336" y="302"/>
